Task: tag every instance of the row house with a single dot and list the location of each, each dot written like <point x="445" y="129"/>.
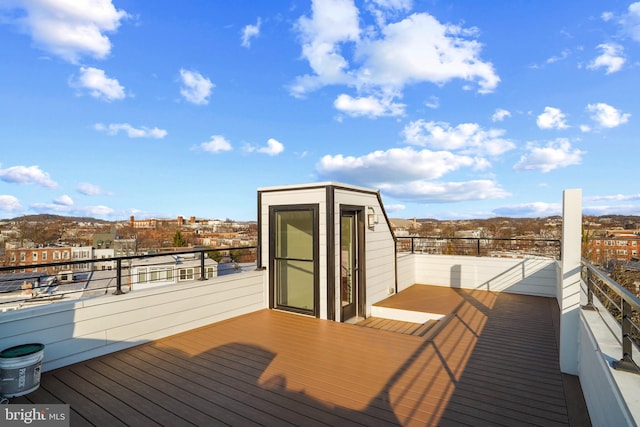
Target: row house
<point x="616" y="246"/>
<point x="153" y="223"/>
<point x="24" y="257"/>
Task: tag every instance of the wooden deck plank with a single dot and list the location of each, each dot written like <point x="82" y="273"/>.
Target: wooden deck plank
<point x="196" y="409"/>
<point x="169" y="403"/>
<point x="116" y="384"/>
<point x="225" y="369"/>
<point x="41" y="395"/>
<point x="205" y="399"/>
<point x="232" y="383"/>
<point x="108" y="402"/>
<point x="493" y="359"/>
<point x="88" y="409"/>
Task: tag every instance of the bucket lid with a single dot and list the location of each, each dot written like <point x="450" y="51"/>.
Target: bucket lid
<point x="21" y="350"/>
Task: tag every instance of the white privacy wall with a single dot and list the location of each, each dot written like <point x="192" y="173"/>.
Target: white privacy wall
<point x="530" y="276"/>
<point x="78" y="330"/>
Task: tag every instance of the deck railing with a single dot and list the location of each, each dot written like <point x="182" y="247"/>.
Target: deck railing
<point x="622" y="305"/>
<point x="44" y="282"/>
<point x="480" y="246"/>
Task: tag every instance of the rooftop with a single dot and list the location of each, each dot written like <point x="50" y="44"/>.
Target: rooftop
<point x="482" y="363"/>
<point x="337" y="325"/>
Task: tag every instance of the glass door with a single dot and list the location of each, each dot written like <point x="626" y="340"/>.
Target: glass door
<point x="348" y="265"/>
<point x="294" y="259"/>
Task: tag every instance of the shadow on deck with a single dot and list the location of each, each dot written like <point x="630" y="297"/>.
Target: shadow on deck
<point x="493" y="360"/>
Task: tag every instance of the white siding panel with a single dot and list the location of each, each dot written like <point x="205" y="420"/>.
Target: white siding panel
<point x="526" y="276"/>
<point x="406" y="271"/>
<point x="77" y="330"/>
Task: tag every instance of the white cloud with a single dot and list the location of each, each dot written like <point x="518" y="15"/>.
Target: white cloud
<point x="89" y="189"/>
<point x="500" y="115"/>
<point x="421" y="49"/>
<point x="555" y="154"/>
<point x="98" y="84"/>
<point x="393" y="4"/>
<point x="408" y="174"/>
<point x="433" y="102"/>
<point x="611" y="210"/>
<point x="91" y="211"/>
<point x="216" y="144"/>
<point x="394" y="207"/>
<point x="630" y="22"/>
<point x="444" y="192"/>
<point x="393" y="165"/>
<point x="27" y="175"/>
<point x="469" y="138"/>
<point x="63" y="200"/>
<point x="99" y="211"/>
<point x="563" y="55"/>
<point x="606" y="115"/>
<point x="386" y="58"/>
<point x="368" y="106"/>
<point x="9" y="203"/>
<point x="615" y="197"/>
<point x="607" y="16"/>
<point x="383" y="10"/>
<point x="552" y="118"/>
<point x="196" y="88"/>
<point x="273" y="147"/>
<point x="535" y="209"/>
<point x="249" y="32"/>
<point x="69" y="29"/>
<point x="612" y="58"/>
<point x="332" y="23"/>
<point x="132" y="132"/>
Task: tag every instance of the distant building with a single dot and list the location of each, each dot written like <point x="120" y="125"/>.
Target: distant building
<point x="154" y="223"/>
<point x="109" y="245"/>
<point x="23" y="258"/>
<point x="614" y="245"/>
<point x="170" y="269"/>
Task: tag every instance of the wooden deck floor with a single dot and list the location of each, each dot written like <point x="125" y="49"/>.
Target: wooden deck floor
<point x="493" y="360"/>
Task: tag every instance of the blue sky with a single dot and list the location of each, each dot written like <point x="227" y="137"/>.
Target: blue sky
<point x="452" y="109"/>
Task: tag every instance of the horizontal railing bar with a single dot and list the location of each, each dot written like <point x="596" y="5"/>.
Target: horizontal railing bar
<point x="629" y="303"/>
<point x="84" y="279"/>
<point x="115" y="258"/>
<point x="478" y="245"/>
<point x="613" y="285"/>
<point x="555" y="241"/>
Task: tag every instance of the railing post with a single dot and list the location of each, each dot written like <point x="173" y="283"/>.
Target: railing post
<point x="202" y="272"/>
<point x="478" y="247"/>
<point x="589" y="305"/>
<point x="412" y="244"/>
<point x="626" y="363"/>
<point x="118" y="277"/>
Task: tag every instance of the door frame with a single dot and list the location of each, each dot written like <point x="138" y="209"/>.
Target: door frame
<point x="360" y="276"/>
<point x="273" y="209"/>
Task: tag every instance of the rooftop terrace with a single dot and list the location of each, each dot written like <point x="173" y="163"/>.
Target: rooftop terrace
<point x="461" y="340"/>
<point x="492" y="359"/>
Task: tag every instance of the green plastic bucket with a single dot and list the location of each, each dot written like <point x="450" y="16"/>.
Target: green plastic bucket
<point x="20" y="369"/>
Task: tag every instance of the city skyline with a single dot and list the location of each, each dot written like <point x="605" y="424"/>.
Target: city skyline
<point x="453" y="110"/>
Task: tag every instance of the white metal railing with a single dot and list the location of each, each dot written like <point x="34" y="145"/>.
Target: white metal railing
<point x="622" y="305"/>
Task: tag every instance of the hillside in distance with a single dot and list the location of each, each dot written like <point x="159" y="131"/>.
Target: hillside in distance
<point x="55" y="218"/>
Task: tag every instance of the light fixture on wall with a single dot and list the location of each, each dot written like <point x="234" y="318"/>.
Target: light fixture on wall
<point x="372" y="218"/>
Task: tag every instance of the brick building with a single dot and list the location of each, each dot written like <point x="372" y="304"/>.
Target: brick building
<point x="614" y="245"/>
